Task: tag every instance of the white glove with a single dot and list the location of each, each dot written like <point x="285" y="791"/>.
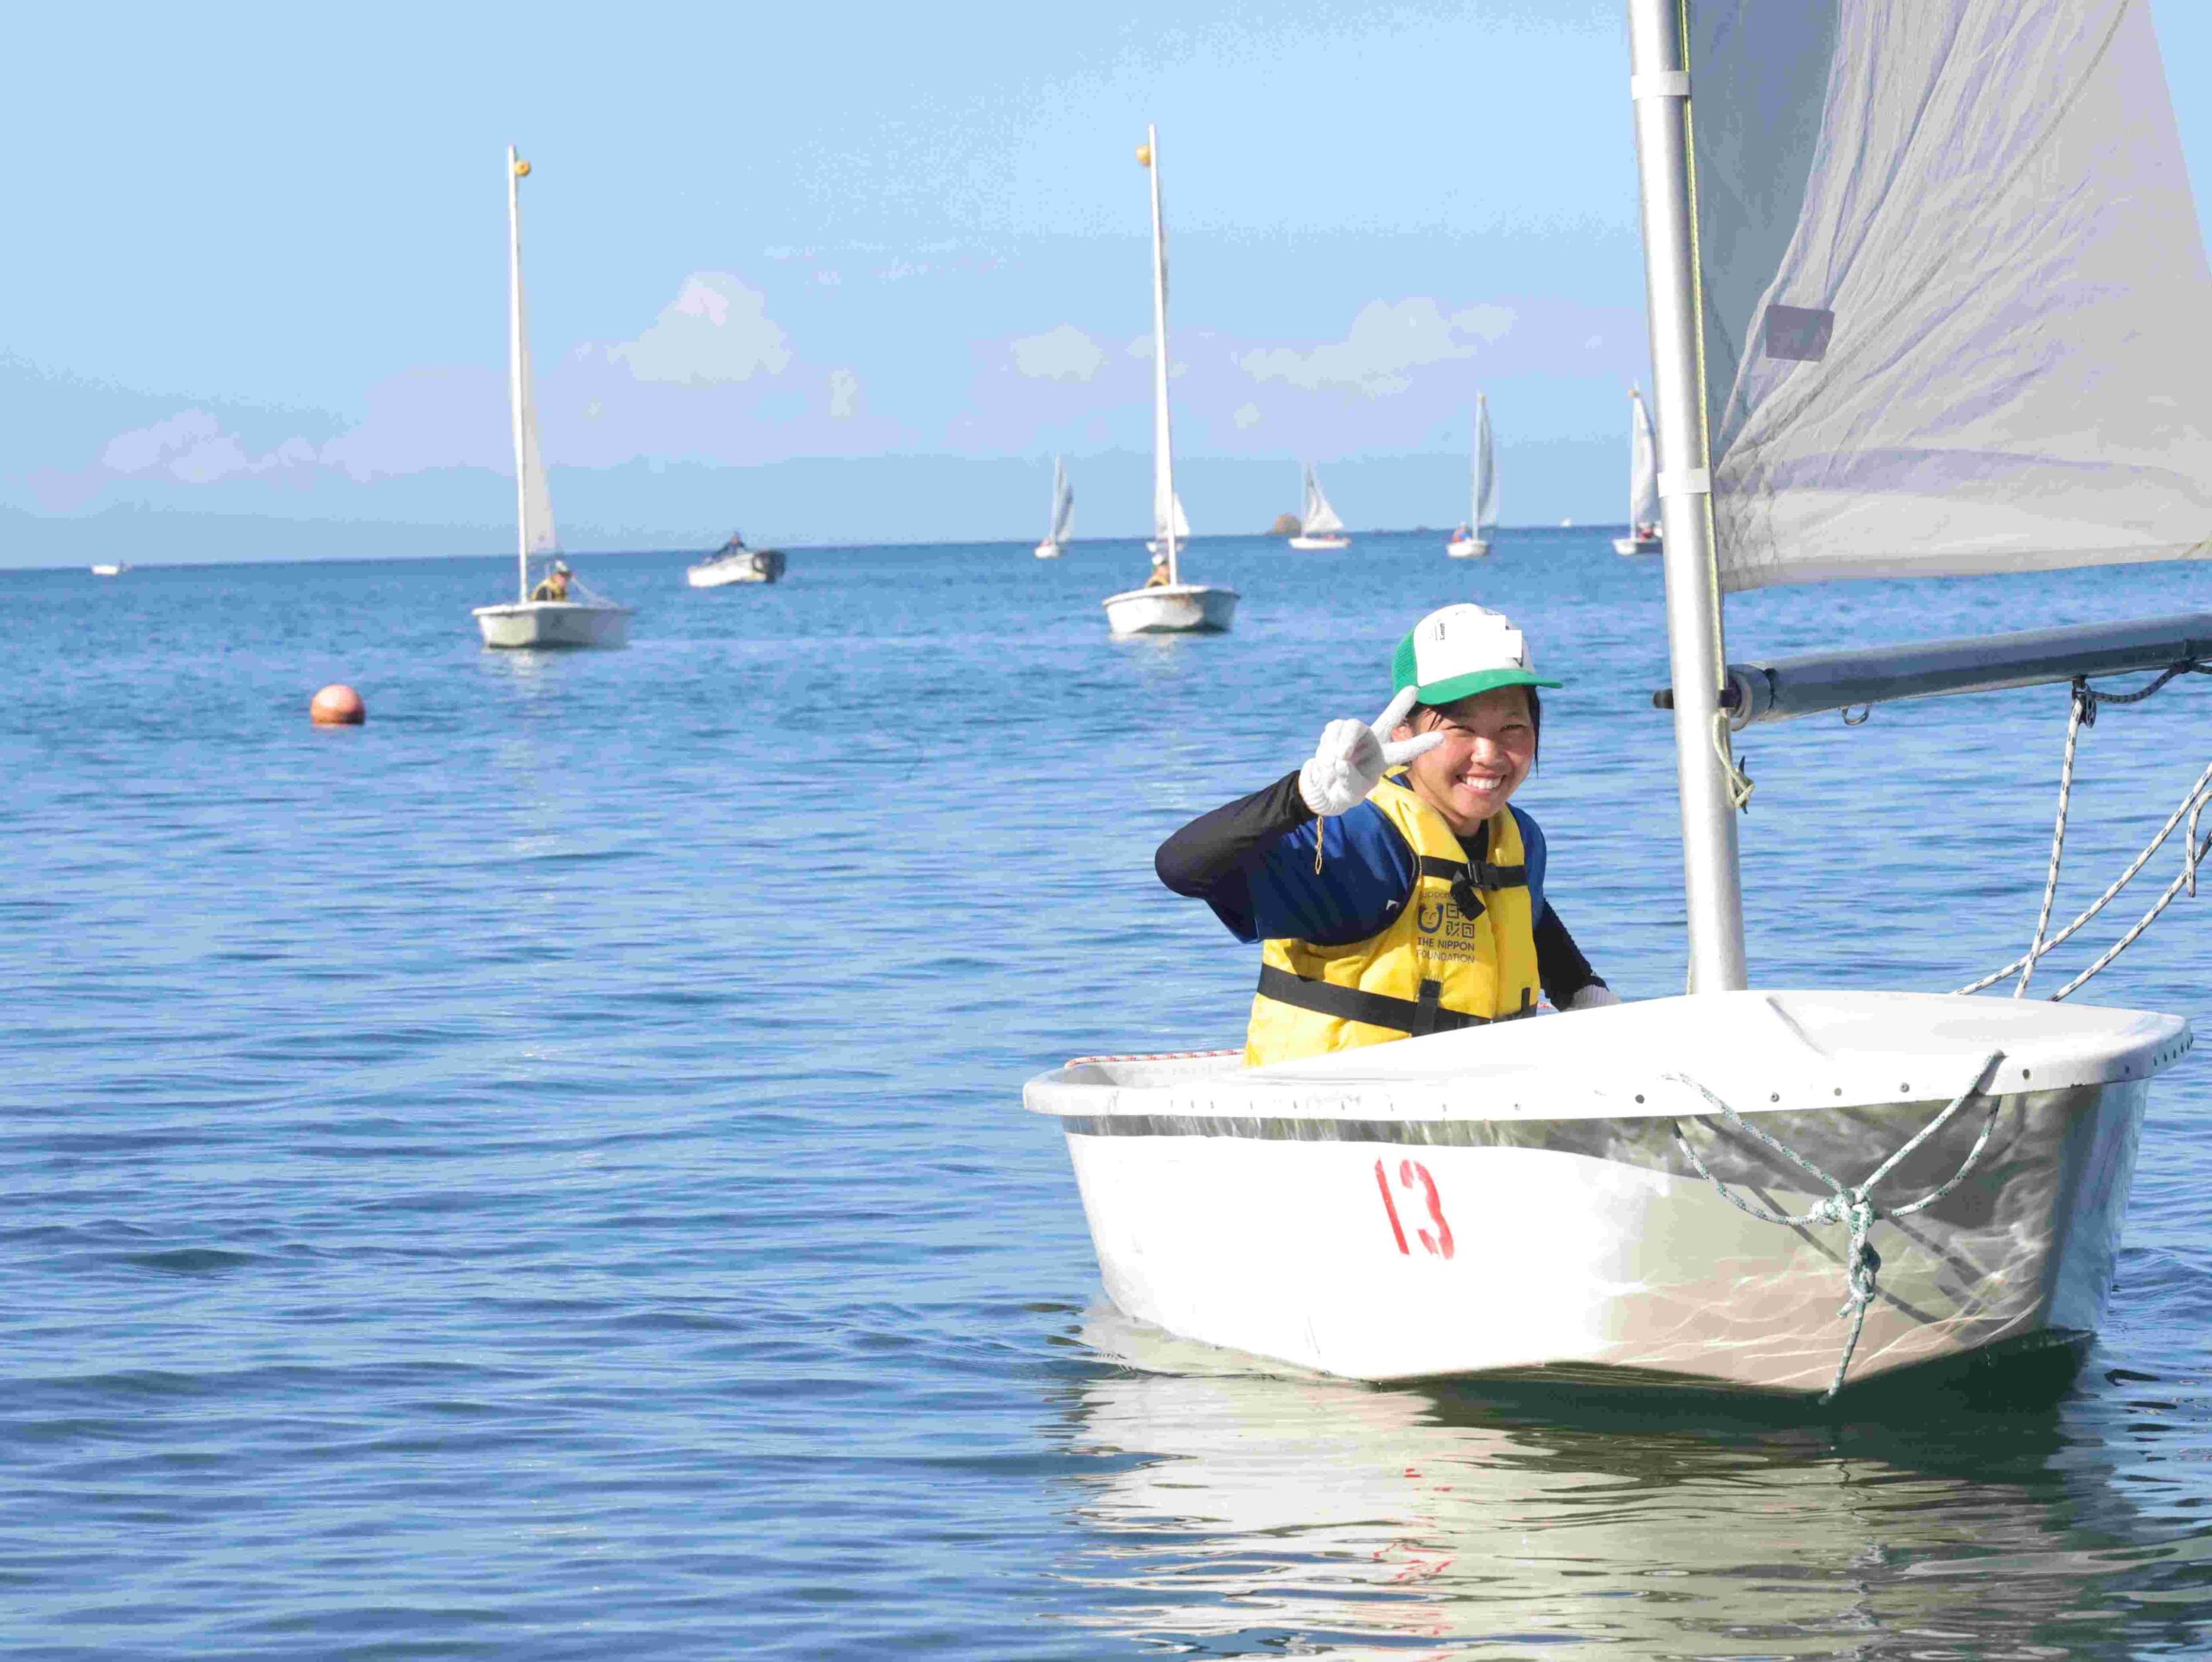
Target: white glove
<point x="1596" y="996"/>
<point x="1352" y="758"/>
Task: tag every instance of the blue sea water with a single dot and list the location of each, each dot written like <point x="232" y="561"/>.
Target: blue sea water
<point x="543" y="1175"/>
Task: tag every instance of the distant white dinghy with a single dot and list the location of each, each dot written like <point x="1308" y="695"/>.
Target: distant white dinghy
<point x="1644" y="536"/>
<point x="735" y="563"/>
<point x="115" y="570"/>
<point x="1469" y="542"/>
<point x="1179" y="519"/>
<point x="582" y="618"/>
<point x="1170" y="606"/>
<point x="1319" y="528"/>
<point x="1783" y="1190"/>
<point x="1062" y="522"/>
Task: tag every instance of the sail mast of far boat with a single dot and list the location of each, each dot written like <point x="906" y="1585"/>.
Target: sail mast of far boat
<point x="517" y="375"/>
<point x="1163" y="450"/>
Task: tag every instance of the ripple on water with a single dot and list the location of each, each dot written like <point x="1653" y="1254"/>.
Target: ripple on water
<point x="543" y="1175"/>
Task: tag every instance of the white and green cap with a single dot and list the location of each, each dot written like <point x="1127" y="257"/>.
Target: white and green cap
<point x="1459" y="651"/>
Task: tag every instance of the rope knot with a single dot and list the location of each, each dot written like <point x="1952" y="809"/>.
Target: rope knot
<point x="1864" y="1267"/>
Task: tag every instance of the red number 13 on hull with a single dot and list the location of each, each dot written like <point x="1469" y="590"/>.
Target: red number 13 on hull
<point x="1413" y="1176"/>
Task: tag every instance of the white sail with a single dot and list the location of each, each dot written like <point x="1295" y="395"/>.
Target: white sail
<point x="1485" y="477"/>
<point x="1953" y="290"/>
<point x="1319" y="519"/>
<point x="1643" y="467"/>
<point x="1181" y="521"/>
<point x="533" y="502"/>
<point x="1062" y="503"/>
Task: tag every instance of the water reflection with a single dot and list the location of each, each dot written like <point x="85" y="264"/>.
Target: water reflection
<point x="1235" y="1513"/>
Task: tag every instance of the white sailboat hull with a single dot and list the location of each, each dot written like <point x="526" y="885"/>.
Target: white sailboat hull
<point x="553" y="623"/>
<point x="1171" y="609"/>
<point x="747" y="566"/>
<point x="1048" y="549"/>
<point x="1466" y="548"/>
<point x="1638" y="545"/>
<point x="1324" y="543"/>
<point x="1511" y="1201"/>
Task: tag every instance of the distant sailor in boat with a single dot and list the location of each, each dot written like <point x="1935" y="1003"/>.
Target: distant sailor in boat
<point x="554" y="584"/>
<point x="1158" y="579"/>
<point x="1395" y="891"/>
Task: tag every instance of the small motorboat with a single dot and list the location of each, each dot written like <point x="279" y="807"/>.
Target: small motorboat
<point x="735" y="563"/>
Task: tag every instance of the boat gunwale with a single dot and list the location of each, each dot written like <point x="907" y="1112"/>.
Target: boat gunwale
<point x="1213" y="1085"/>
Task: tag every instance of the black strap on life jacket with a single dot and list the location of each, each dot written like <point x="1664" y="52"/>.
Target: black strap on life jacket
<point x="1474" y="876"/>
<point x="1410" y="1016"/>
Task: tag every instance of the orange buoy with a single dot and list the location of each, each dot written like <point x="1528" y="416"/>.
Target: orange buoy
<point x="338" y="705"/>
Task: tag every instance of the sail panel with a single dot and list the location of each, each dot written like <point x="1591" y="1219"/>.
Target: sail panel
<point x="1952" y="289"/>
<point x="1320" y="518"/>
<point x="1643" y="466"/>
<point x="538" y="535"/>
<point x="1062" y="503"/>
<point x="1485" y="490"/>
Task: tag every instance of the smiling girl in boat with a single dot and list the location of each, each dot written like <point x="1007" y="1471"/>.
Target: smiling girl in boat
<point x="1393" y="889"/>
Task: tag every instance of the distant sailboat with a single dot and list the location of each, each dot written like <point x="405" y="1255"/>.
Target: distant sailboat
<point x="1056" y="535"/>
<point x="116" y="570"/>
<point x="1468" y="542"/>
<point x="1182" y="531"/>
<point x="1165" y="604"/>
<point x="560" y="620"/>
<point x="1643" y="483"/>
<point x="1319" y="526"/>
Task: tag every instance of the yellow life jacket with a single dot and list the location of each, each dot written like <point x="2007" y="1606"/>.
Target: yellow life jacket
<point x="1460" y="952"/>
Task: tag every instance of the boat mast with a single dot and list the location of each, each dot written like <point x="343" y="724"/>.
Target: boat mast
<point x="1163" y="466"/>
<point x="1659" y="85"/>
<point x="514" y="371"/>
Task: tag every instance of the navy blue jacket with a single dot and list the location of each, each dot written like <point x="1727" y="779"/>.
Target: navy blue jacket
<point x="1252" y="861"/>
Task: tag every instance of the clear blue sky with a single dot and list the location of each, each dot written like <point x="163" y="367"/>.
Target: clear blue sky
<point x="258" y="270"/>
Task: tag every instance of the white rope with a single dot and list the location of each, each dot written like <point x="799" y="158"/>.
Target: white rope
<point x="1848" y="1203"/>
<point x="2193" y="803"/>
<point x="1735" y="781"/>
<point x="2073" y="717"/>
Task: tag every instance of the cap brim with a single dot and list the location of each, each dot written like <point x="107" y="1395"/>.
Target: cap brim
<point x="1453" y="689"/>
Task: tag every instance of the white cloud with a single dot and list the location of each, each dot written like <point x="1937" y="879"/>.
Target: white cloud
<point x="1385" y="342"/>
<point x="426" y="418"/>
<point x="1247" y="416"/>
<point x="1065" y="353"/>
<point x="716" y="329"/>
<point x="193" y="447"/>
<point x="844" y="395"/>
<point x="1141" y="348"/>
